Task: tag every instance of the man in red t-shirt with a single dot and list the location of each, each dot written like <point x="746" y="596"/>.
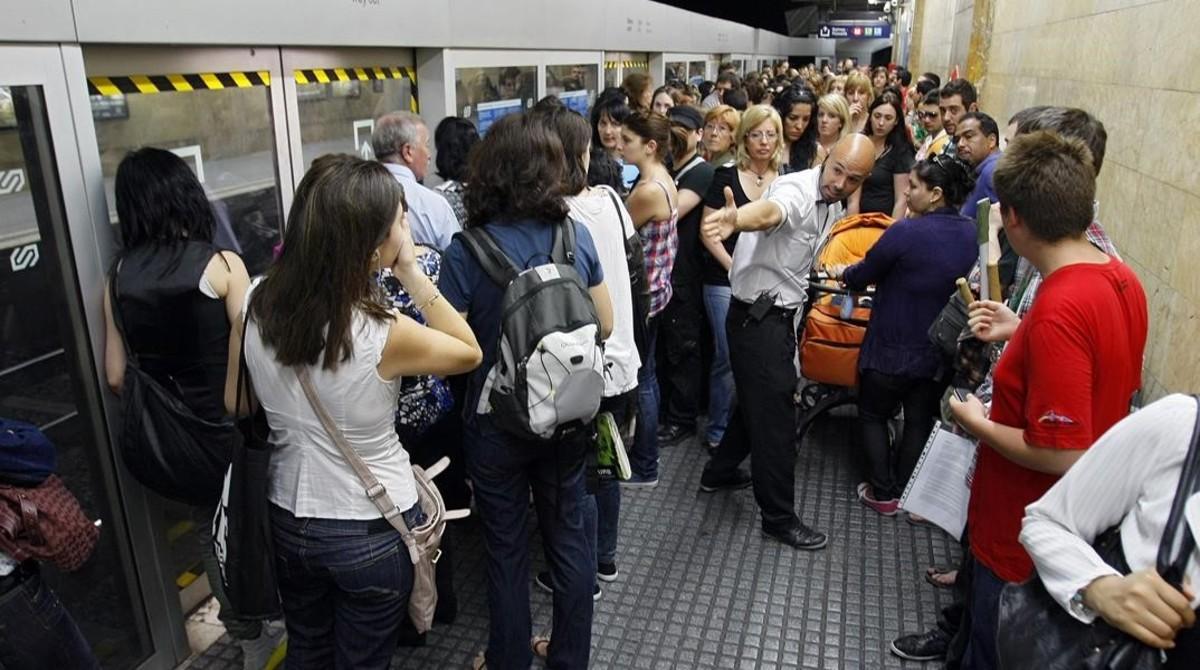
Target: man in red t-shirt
<point x="1068" y="373"/>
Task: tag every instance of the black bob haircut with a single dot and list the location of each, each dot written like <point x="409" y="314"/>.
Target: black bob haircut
<point x="453" y="139"/>
<point x="160" y="201"/>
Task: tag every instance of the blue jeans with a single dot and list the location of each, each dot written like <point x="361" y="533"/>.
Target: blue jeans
<point x="984" y="603"/>
<point x="344" y="586"/>
<point x="503" y="469"/>
<point x="602" y="511"/>
<point x="36" y="631"/>
<point x="643" y="457"/>
<point x="721" y="392"/>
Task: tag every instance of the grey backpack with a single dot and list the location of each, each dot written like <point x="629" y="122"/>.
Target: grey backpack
<point x="549" y="373"/>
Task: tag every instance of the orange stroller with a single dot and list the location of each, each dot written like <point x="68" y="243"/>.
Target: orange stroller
<point x="835" y="323"/>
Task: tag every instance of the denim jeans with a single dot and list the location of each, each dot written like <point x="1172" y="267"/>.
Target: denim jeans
<point x="503" y="469"/>
<point x="602" y="511"/>
<point x="36" y="631"/>
<point x="643" y="457"/>
<point x="720" y="384"/>
<point x="984" y="605"/>
<point x="344" y="586"/>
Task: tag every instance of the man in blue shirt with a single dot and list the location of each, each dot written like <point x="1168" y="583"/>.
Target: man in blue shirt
<point x="401" y="142"/>
<point x="978" y="143"/>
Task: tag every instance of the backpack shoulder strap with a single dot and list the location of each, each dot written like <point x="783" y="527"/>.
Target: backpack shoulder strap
<point x="495" y="263"/>
<point x="563" y="249"/>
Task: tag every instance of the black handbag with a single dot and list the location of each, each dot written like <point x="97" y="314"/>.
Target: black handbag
<point x="1036" y="632"/>
<point x="639" y="282"/>
<point x="163" y="443"/>
<point x="241" y="527"/>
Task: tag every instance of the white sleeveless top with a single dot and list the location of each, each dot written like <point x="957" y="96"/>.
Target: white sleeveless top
<point x="308" y="475"/>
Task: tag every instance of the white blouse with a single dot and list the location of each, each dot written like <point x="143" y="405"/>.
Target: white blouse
<point x="1128" y="477"/>
<point x="308" y="475"/>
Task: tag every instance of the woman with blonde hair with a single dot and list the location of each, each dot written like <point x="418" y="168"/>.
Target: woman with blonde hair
<point x="837" y="85"/>
<point x="833" y="120"/>
<point x="859" y="94"/>
<point x="719" y="125"/>
<point x="759" y="146"/>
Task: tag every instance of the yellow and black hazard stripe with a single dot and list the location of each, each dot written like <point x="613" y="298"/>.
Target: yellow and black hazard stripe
<point x="204" y="81"/>
<point x="327" y="75"/>
<point x="627" y="64"/>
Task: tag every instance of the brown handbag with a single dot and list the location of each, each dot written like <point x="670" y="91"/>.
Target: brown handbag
<point x="45" y="523"/>
<point x="424" y="541"/>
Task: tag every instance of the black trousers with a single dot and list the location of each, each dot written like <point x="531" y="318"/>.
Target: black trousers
<point x="679" y="368"/>
<point x="764" y="416"/>
<point x="888" y="466"/>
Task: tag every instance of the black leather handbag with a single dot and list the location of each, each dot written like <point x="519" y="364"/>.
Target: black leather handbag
<point x="1036" y="632"/>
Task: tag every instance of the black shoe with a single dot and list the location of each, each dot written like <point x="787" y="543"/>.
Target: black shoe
<point x="673" y="433"/>
<point x="542" y="579"/>
<point x="800" y="537"/>
<point x="740" y="479"/>
<point x="928" y="646"/>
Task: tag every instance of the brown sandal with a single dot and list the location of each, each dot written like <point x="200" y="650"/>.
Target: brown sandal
<point x="540" y="646"/>
<point x="941" y="577"/>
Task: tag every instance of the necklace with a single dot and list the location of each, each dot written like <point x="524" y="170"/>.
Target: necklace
<point x="758" y="178"/>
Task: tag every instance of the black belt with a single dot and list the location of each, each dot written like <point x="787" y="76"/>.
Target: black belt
<point x="776" y="310"/>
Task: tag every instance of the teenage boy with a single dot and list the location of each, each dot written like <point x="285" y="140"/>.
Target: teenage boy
<point x="1068" y="373"/>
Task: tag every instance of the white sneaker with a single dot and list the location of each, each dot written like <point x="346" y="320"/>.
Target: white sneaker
<point x="257" y="653"/>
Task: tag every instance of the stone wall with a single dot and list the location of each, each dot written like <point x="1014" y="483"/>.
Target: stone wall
<point x="1133" y="64"/>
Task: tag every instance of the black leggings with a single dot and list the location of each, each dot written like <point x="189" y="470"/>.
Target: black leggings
<point x="888" y="466"/>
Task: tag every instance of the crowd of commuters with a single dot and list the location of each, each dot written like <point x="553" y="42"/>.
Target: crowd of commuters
<point x="697" y="215"/>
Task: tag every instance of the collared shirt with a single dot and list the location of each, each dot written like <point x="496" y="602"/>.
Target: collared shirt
<point x="778" y="260"/>
<point x="429" y="214"/>
<point x="1129" y="477"/>
<point x="983" y="184"/>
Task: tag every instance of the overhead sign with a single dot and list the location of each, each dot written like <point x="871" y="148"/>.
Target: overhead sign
<point x="834" y="31"/>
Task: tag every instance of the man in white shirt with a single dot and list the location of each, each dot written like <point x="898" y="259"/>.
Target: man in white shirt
<point x="401" y="143"/>
<point x="781" y="234"/>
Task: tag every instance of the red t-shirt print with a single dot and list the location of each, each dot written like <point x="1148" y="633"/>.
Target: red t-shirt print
<point x="1066" y="377"/>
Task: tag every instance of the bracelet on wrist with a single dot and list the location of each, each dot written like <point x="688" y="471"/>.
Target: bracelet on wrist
<point x="429" y="303"/>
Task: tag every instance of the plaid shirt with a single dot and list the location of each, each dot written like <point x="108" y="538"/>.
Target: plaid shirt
<point x="660" y="242"/>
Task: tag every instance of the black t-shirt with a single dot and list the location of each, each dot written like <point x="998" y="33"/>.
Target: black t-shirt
<point x="879" y="189"/>
<point x="689" y="261"/>
<point x="726" y="175"/>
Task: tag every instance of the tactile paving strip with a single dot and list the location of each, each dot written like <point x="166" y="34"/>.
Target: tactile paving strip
<point x="701" y="587"/>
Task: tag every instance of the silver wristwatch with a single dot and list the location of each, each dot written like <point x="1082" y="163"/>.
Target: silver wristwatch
<point x="1079" y="608"/>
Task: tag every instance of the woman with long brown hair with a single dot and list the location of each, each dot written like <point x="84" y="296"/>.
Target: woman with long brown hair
<point x="347" y="222"/>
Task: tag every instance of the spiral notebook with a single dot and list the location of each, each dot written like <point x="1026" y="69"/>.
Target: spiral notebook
<point x="940" y="486"/>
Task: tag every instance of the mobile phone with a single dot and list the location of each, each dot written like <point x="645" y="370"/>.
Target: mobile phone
<point x="961" y="394"/>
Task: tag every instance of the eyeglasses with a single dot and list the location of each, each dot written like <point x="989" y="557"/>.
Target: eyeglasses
<point x="929" y="115"/>
<point x="759" y="135"/>
<point x="715" y="129"/>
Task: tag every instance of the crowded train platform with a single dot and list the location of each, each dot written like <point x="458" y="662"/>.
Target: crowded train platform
<point x="499" y="334"/>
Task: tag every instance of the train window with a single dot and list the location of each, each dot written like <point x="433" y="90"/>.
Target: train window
<point x="219" y="123"/>
<point x="677" y="71"/>
<point x="47" y="379"/>
<point x="697" y="72"/>
<point x="575" y="85"/>
<point x="485" y="94"/>
<point x="338" y="107"/>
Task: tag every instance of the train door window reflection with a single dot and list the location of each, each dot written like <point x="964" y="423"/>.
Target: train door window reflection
<point x="219" y="123"/>
<point x="575" y="85"/>
<point x="485" y="94"/>
<point x="47" y="378"/>
<point x="337" y="115"/>
<point x="697" y="71"/>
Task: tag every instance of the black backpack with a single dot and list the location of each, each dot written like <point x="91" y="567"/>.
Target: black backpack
<point x="548" y="378"/>
<point x="162" y="442"/>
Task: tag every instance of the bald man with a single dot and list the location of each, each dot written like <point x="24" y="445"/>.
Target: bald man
<point x="781" y="234"/>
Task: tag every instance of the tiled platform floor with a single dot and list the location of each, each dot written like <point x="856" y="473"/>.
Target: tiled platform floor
<point x="701" y="587"/>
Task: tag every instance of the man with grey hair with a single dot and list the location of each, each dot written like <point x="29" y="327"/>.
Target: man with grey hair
<point x="401" y="143"/>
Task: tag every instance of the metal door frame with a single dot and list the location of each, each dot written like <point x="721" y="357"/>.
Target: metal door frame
<point x="57" y="71"/>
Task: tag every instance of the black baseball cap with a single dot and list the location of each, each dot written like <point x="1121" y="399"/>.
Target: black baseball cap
<point x="686" y="116"/>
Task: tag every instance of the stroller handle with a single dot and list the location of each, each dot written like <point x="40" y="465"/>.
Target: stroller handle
<point x="817" y="286"/>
